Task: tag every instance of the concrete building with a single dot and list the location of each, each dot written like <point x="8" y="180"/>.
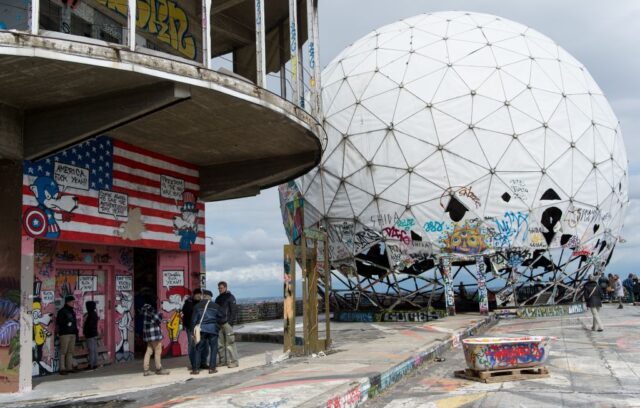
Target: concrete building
<point x="118" y="120"/>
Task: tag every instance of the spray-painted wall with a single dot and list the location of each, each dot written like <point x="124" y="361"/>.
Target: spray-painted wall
<point x="88" y="272"/>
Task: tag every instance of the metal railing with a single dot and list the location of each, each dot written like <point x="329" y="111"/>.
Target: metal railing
<point x="176" y="29"/>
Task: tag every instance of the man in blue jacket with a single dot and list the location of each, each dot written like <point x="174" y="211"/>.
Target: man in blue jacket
<point x="208" y="315"/>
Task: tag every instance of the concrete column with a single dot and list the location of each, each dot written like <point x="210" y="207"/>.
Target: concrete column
<point x="12" y="299"/>
<point x="483" y="299"/>
<point x="11" y="121"/>
<point x="445" y="270"/>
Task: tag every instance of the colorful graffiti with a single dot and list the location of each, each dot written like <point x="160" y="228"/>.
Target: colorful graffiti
<point x="292" y="205"/>
<point x="398" y="234"/>
<point x="512" y="226"/>
<point x="124" y="324"/>
<point x="175" y="297"/>
<point x="465" y="239"/>
<point x="165" y="19"/>
<point x="9" y="334"/>
<point x="105" y="191"/>
<point x="483" y="299"/>
<point x="503" y="354"/>
<point x="445" y="270"/>
<point x="82" y="271"/>
<point x="532" y="312"/>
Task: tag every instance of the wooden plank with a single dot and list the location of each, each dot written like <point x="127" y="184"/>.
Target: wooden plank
<point x="518" y="374"/>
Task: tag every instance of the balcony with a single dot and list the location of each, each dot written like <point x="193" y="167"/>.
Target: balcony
<point x="235" y="92"/>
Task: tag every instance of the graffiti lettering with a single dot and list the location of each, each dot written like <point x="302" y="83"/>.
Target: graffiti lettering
<point x="510" y="227"/>
<point x="167" y="21"/>
<point x="395" y="233"/>
<point x="519" y="189"/>
<point x="433" y="226"/>
<point x="463" y="191"/>
<point x="405" y="223"/>
<point x="531" y="312"/>
<point x="406" y="317"/>
<point x="365" y="239"/>
<point x="577" y="215"/>
<point x="384" y="219"/>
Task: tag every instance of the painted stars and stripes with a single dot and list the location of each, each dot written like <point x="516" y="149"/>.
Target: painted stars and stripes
<point x="109" y="178"/>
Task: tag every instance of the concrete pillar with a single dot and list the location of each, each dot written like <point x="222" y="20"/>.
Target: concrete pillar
<point x="445" y="270"/>
<point x="11" y="120"/>
<point x="15" y="303"/>
<point x="483" y="299"/>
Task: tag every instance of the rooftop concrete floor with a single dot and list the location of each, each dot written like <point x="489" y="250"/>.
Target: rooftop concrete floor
<point x="360" y="350"/>
<point x="588" y="369"/>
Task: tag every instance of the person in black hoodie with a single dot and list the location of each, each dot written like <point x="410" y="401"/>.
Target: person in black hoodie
<point x="228" y="354"/>
<point x="187" y="314"/>
<point x="67" y="329"/>
<point x="90" y="331"/>
<point x="593" y="299"/>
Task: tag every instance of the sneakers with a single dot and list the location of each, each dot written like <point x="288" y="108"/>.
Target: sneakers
<point x="162" y="371"/>
<point x="233" y="365"/>
<point x="63" y="372"/>
<point x="599" y="330"/>
<point x="195" y="372"/>
<point x="146" y="373"/>
<point x="212" y="371"/>
<point x="620" y="307"/>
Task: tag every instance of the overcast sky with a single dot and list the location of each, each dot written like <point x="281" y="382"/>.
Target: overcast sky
<point x="603" y="35"/>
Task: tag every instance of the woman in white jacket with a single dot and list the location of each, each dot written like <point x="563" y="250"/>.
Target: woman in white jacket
<point x="618" y="290"/>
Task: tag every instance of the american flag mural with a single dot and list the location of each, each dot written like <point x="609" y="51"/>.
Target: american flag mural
<point x="109" y="192"/>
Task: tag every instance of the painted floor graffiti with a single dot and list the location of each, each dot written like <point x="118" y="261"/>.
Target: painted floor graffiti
<point x="587" y="369"/>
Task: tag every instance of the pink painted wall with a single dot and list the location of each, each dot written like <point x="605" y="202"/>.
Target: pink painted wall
<point x="89" y="272"/>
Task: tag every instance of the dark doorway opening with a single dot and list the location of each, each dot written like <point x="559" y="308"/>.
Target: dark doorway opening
<point x="145" y="284"/>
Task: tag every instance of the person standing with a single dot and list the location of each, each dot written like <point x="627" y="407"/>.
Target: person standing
<point x="208" y="316"/>
<point x="90" y="332"/>
<point x="618" y="290"/>
<point x="628" y="285"/>
<point x="593" y="299"/>
<point x="187" y="314"/>
<point x="67" y="329"/>
<point x="152" y="334"/>
<point x="227" y="343"/>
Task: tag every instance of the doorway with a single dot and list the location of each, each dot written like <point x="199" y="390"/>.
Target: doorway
<point x="145" y="283"/>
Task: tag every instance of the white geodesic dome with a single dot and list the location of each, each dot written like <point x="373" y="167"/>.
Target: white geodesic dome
<point x="460" y="134"/>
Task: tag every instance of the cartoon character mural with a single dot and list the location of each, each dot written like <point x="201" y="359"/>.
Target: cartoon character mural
<point x="41" y="333"/>
<point x="186" y="224"/>
<point x="176" y="295"/>
<point x="125" y="325"/>
<point x="9" y="334"/>
<point x="53" y="206"/>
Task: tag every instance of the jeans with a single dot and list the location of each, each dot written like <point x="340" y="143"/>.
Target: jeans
<point x="67" y="346"/>
<point x="208" y="343"/>
<point x="227" y="345"/>
<point x="155" y="348"/>
<point x="193" y="348"/>
<point x="92" y="345"/>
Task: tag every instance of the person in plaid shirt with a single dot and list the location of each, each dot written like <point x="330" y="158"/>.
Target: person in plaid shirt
<point x="152" y="334"/>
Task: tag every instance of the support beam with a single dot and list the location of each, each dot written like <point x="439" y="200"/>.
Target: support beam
<point x="131" y="23"/>
<point x="445" y="270"/>
<point x="56" y="127"/>
<point x="34" y="16"/>
<point x="226" y="5"/>
<point x="224" y="180"/>
<point x="314" y="57"/>
<point x="483" y="298"/>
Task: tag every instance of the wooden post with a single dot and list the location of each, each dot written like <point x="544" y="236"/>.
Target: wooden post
<point x="483" y="299"/>
<point x="261" y="48"/>
<point x="289" y="298"/>
<point x="445" y="270"/>
<point x="327" y="292"/>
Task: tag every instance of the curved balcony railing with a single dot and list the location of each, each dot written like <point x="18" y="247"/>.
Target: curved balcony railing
<point x="279" y="54"/>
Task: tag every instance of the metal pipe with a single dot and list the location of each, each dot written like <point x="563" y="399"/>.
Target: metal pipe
<point x="261" y="55"/>
<point x="131" y="23"/>
<point x="206" y="34"/>
<point x="293" y="49"/>
<point x="34" y="16"/>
